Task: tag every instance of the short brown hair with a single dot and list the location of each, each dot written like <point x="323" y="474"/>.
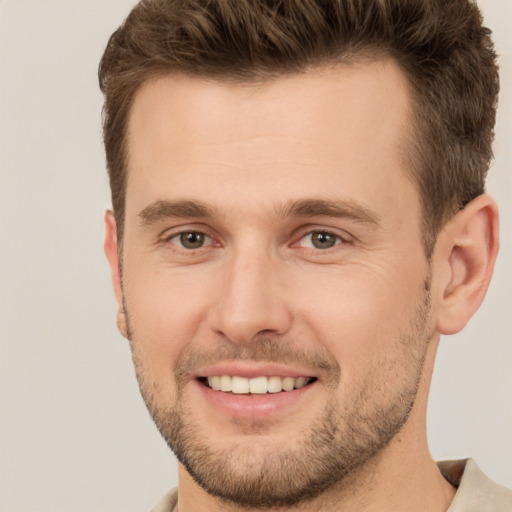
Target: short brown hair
<point x="441" y="45"/>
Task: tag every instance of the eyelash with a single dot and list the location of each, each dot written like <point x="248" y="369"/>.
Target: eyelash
<point x="338" y="240"/>
<point x="210" y="240"/>
<point x="196" y="232"/>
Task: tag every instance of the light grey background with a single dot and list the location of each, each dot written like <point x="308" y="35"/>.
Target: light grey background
<point x="74" y="434"/>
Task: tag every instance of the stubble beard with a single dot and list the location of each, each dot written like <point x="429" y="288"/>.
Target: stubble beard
<point x="337" y="444"/>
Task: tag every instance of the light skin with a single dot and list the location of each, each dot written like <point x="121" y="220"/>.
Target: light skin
<point x="273" y="229"/>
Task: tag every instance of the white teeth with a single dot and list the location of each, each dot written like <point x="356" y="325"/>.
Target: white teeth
<point x="300" y="382"/>
<point x="214" y="383"/>
<point x="240" y="385"/>
<point x="274" y="385"/>
<point x="288" y="383"/>
<point x="225" y="383"/>
<point x="257" y="385"/>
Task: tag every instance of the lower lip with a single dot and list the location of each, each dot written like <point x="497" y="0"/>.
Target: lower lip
<point x="254" y="406"/>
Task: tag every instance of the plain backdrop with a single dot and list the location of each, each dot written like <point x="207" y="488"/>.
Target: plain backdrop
<point x="74" y="433"/>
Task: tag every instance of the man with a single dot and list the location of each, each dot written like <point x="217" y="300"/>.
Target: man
<point x="298" y="215"/>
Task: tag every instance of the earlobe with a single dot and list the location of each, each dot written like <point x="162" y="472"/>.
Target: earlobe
<point x="112" y="254"/>
<point x="121" y="321"/>
<point x="467" y="250"/>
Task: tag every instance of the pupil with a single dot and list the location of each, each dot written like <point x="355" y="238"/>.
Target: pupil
<point x="322" y="240"/>
<point x="192" y="240"/>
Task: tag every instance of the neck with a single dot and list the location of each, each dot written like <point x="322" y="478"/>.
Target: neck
<point x="403" y="477"/>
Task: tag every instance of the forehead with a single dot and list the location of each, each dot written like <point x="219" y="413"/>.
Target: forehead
<point x="324" y="130"/>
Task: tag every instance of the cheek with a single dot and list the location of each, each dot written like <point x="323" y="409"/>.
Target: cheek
<point x="362" y="316"/>
<point x="165" y="312"/>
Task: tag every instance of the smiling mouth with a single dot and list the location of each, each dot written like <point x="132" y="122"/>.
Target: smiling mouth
<point x="255" y="386"/>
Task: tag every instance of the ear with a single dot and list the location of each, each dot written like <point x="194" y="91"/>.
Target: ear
<point x="464" y="257"/>
<point x="112" y="254"/>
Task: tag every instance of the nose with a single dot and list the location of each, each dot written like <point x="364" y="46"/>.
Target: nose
<point x="252" y="299"/>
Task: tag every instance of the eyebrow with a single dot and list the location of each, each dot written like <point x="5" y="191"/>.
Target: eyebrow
<point x="160" y="210"/>
<point x="163" y="209"/>
<point x="328" y="208"/>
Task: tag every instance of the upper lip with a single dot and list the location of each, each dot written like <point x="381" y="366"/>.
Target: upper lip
<point x="251" y="370"/>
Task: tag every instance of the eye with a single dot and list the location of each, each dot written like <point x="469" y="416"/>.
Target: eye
<point x="190" y="240"/>
<point x="320" y="240"/>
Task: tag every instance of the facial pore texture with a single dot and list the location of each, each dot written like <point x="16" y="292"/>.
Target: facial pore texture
<point x="338" y="442"/>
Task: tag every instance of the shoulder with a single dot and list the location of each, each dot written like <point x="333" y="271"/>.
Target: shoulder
<point x="167" y="503"/>
<point x="475" y="491"/>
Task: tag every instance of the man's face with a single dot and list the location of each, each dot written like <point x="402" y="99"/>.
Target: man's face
<point x="273" y="240"/>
